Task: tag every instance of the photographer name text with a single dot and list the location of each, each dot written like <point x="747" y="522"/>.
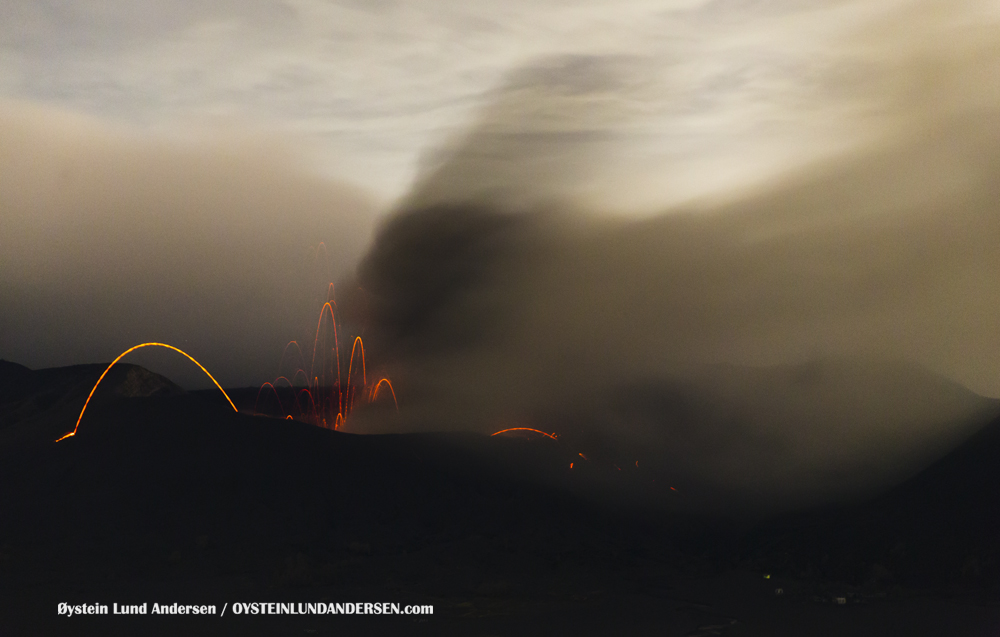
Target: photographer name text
<point x="247" y="608"/>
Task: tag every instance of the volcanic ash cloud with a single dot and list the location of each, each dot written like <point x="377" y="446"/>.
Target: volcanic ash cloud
<point x="769" y="345"/>
<point x="209" y="241"/>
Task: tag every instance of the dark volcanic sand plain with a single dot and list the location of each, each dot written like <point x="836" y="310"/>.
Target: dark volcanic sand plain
<point x="173" y="497"/>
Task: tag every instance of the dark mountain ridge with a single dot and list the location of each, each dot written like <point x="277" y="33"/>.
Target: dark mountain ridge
<point x="175" y="497"/>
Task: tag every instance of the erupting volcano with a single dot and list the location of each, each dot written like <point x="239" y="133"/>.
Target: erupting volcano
<point x="675" y="320"/>
<point x="326" y="397"/>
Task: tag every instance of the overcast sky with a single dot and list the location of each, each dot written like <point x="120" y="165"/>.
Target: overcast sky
<point x="368" y="87"/>
<point x="180" y="135"/>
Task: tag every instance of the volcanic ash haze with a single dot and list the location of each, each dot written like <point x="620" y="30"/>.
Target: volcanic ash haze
<point x="766" y="344"/>
<point x="210" y="242"/>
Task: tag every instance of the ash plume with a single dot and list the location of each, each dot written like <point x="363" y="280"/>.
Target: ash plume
<point x="804" y="339"/>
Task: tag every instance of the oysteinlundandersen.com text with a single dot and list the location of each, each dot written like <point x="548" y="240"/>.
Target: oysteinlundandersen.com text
<point x="349" y="608"/>
<point x="249" y="608"/>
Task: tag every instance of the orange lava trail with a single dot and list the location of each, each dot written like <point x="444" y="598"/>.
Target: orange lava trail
<point x="336" y="348"/>
<point x="298" y="397"/>
<point x="121" y="356"/>
<point x="552" y="435"/>
<point x="281" y="378"/>
<point x="350" y="368"/>
<point x="257" y="401"/>
<point x="378" y="385"/>
<point x="314" y="252"/>
<point x="330" y="401"/>
<point x="319" y="324"/>
<point x="297" y="373"/>
<point x="284" y="353"/>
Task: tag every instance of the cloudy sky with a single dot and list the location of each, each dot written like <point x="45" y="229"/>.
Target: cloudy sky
<point x="151" y="146"/>
<point x="368" y="88"/>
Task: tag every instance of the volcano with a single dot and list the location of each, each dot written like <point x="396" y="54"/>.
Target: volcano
<point x="170" y="497"/>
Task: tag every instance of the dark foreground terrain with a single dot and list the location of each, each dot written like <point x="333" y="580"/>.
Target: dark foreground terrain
<point x="176" y="498"/>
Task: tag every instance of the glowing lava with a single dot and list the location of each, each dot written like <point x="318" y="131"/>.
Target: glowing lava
<point x="378" y="385"/>
<point x="121" y="356"/>
<point x="332" y="395"/>
<point x="537" y="431"/>
<point x="298" y="349"/>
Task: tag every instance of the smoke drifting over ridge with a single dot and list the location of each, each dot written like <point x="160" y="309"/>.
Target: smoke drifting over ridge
<point x="506" y="299"/>
<point x="208" y="242"/>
